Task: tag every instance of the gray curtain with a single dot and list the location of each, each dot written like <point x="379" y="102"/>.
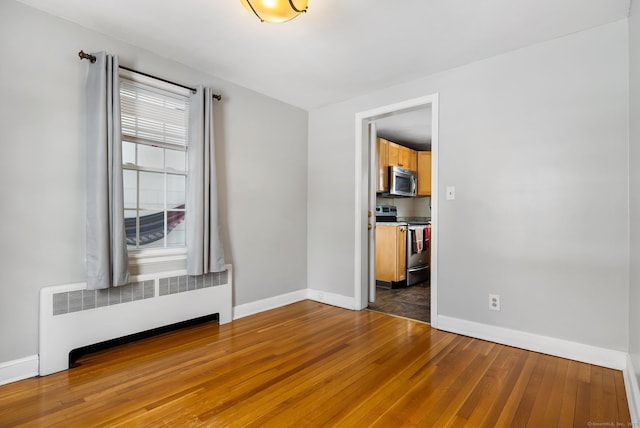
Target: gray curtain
<point x="204" y="245"/>
<point x="107" y="257"/>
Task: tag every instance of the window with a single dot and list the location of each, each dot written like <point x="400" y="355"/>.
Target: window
<point x="154" y="157"/>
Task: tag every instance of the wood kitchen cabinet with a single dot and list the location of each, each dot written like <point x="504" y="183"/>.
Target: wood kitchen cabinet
<point x="424" y="173"/>
<point x="382" y="160"/>
<point x="394" y="154"/>
<point x="402" y="156"/>
<point x="391" y="253"/>
<point x="408" y="158"/>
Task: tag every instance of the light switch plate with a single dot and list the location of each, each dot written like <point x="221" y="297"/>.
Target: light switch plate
<point x="451" y="193"/>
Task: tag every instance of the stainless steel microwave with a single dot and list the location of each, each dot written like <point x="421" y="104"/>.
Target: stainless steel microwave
<point x="402" y="181"/>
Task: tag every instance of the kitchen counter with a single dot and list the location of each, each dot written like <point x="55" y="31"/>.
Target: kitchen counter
<point x="415" y="219"/>
<point x="391" y="223"/>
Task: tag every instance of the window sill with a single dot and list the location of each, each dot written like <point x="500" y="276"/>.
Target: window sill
<point x="154" y="257"/>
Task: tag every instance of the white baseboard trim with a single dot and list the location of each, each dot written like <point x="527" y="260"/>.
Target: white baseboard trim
<point x="258" y="306"/>
<point x="269" y="303"/>
<point x="332" y="299"/>
<point x="533" y="342"/>
<point x="23" y="368"/>
<point x="631" y="388"/>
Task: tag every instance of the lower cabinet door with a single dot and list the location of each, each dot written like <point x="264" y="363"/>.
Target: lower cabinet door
<point x="391" y="253"/>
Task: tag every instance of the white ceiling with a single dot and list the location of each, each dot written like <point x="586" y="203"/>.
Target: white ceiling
<point x="411" y="129"/>
<point x="340" y="48"/>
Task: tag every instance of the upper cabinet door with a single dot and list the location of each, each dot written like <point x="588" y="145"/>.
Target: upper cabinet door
<point x="394" y="154"/>
<point x="382" y="158"/>
<point x="402" y="156"/>
<point x="413" y="160"/>
<point x="424" y="173"/>
<point x="405" y="157"/>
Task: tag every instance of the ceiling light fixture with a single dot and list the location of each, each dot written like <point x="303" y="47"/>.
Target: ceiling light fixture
<point x="275" y="10"/>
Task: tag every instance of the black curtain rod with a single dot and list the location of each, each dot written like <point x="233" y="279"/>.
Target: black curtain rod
<point x="84" y="55"/>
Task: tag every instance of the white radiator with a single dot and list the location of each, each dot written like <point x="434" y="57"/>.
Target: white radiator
<point x="72" y="317"/>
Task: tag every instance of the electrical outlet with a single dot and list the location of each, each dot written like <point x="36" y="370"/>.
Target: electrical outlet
<point x="494" y="302"/>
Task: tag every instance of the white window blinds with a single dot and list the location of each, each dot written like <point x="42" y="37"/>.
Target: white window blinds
<point x="153" y="117"/>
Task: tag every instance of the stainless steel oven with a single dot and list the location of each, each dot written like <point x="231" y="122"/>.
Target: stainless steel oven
<point x="417" y="253"/>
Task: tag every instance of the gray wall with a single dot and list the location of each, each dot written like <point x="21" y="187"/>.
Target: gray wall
<point x="634" y="185"/>
<point x="262" y="155"/>
<point x="535" y="142"/>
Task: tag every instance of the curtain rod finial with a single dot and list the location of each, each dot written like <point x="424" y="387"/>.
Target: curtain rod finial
<point x="83" y="55"/>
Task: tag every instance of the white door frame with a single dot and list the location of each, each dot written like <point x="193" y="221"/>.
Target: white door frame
<point x="363" y="174"/>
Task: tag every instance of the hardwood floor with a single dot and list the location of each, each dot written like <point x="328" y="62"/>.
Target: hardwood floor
<point x="310" y="364"/>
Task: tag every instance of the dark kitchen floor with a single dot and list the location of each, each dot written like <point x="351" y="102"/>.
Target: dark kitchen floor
<point x="410" y="302"/>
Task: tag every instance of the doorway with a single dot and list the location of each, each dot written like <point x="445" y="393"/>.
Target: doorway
<point x="365" y="281"/>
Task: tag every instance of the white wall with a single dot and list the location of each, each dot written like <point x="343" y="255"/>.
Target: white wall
<point x="408" y="207"/>
<point x="634" y="185"/>
<point x="262" y="155"/>
<point x="535" y="142"/>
